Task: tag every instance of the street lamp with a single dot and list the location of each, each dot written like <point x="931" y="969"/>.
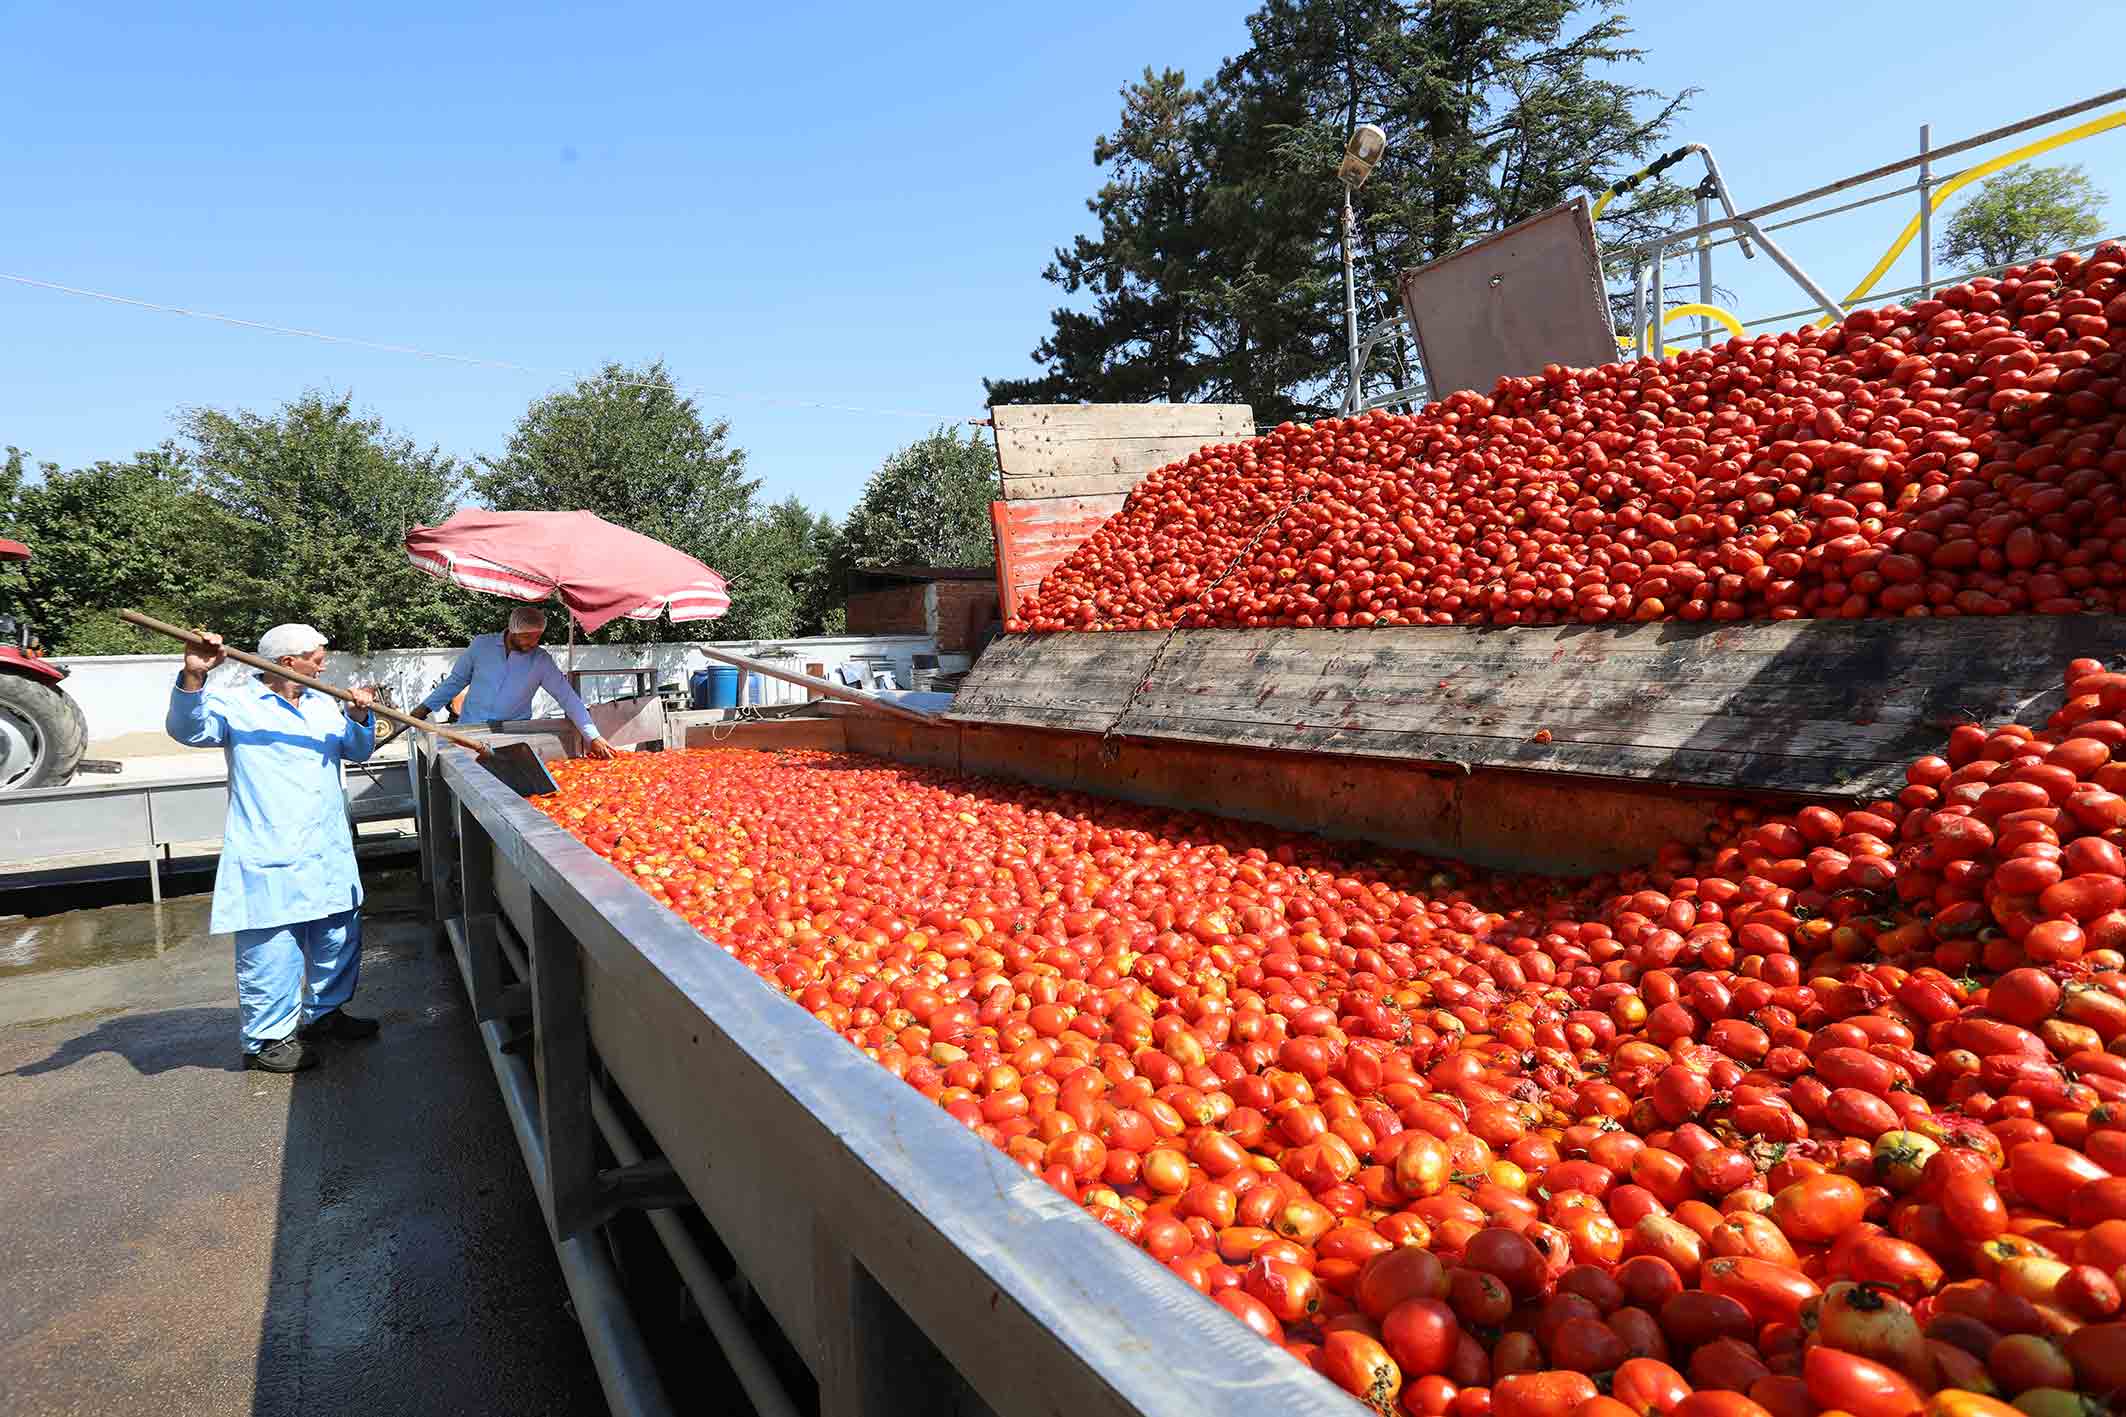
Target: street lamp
<point x="1367" y="145"/>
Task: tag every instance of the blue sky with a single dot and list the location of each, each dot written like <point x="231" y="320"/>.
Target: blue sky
<point x="843" y="204"/>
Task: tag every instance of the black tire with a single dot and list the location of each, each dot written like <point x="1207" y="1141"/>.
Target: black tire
<point x="50" y="723"/>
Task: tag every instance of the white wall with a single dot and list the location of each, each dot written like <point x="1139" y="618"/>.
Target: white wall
<point x="121" y="694"/>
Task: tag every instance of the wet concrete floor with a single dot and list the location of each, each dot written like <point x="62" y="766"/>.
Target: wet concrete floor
<point x="179" y="1236"/>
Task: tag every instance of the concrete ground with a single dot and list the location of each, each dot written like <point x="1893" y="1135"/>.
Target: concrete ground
<point x="184" y="1237"/>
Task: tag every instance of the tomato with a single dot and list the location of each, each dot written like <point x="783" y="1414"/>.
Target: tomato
<point x="1510" y="1257"/>
<point x="1697" y="1317"/>
<point x="1770" y="1293"/>
<point x="2048" y="1175"/>
<point x="2098" y="1354"/>
<point x="1973" y="1207"/>
<point x="1718" y="1404"/>
<point x="1361" y="1367"/>
<point x="1819" y="1209"/>
<point x="2021" y="1361"/>
<point x="1863" y="1319"/>
<point x="1547" y="1394"/>
<point x="1953" y="1403"/>
<point x="1647" y="1386"/>
<point x="1727" y="1364"/>
<point x="1846" y="1382"/>
<point x="1393" y="1276"/>
<point x="1494" y="1127"/>
<point x="1421" y="1334"/>
<point x="1250" y="1311"/>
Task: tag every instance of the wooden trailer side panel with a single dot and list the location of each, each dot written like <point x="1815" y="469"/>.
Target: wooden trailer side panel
<point x="1803" y="707"/>
<point x="1506" y="820"/>
<point x="1067" y="468"/>
<point x="1033" y="538"/>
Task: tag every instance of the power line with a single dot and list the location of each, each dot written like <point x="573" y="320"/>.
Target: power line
<point x="473" y="360"/>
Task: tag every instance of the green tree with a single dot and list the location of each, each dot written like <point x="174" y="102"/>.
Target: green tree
<point x="628" y="445"/>
<point x="796" y="549"/>
<point x="318" y="500"/>
<point x="1215" y="273"/>
<point x="2021" y="214"/>
<point x="132" y="534"/>
<point x="928" y="504"/>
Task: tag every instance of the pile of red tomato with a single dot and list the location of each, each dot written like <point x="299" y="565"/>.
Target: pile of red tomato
<point x="1962" y="457"/>
<point x="1827" y="1113"/>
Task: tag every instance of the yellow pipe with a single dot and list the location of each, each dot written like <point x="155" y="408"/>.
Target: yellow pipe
<point x="1711" y="312"/>
<point x="1949" y="188"/>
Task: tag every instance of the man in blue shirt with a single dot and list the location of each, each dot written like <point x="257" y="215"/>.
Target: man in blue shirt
<point x="287" y="885"/>
<point x="501" y="673"/>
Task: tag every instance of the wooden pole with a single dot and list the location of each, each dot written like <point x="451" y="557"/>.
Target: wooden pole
<point x="191" y="637"/>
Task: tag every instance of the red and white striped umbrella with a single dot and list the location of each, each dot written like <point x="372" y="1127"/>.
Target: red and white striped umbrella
<point x="599" y="571"/>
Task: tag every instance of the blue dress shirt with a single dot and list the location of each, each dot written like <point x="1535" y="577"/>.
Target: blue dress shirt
<point x="287" y="855"/>
<point x="502" y="685"/>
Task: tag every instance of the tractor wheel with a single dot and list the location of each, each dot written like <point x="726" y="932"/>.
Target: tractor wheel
<point x="42" y="734"/>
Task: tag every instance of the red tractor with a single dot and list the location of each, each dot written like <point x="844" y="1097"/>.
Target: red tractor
<point x="42" y="732"/>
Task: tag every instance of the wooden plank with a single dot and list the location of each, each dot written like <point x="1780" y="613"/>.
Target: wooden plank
<point x="1033" y="538"/>
<point x="1805" y="706"/>
<point x="1097" y="484"/>
<point x="1048" y="450"/>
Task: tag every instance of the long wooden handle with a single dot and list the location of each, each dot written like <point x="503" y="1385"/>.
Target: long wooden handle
<point x="191" y="637"/>
<point x="871" y="703"/>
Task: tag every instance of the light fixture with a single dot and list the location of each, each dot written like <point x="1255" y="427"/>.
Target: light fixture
<point x="1365" y="149"/>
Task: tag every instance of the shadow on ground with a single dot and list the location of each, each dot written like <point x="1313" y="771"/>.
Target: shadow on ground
<point x="186" y="1237"/>
<point x="151" y="1043"/>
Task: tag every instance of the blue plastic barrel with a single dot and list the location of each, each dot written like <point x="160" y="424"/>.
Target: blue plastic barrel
<point x="698" y="689"/>
<point x="723" y="686"/>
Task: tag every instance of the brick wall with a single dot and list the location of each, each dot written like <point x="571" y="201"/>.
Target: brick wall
<point x="897" y="610"/>
<point x="963" y="609"/>
<point x="955" y="611"/>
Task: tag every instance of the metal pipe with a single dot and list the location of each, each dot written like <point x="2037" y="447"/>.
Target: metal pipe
<point x="1705" y="275"/>
<point x="1727" y="203"/>
<point x="1638" y="307"/>
<point x="763" y="1388"/>
<point x="1786" y="315"/>
<point x="1654" y="326"/>
<point x="1801" y="277"/>
<point x="1891" y="168"/>
<point x="1350" y="307"/>
<point x="755" y="1374"/>
<point x="625" y="1372"/>
<point x="1926" y="211"/>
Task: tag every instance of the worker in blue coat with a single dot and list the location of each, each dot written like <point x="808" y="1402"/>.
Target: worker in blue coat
<point x="287" y="885"/>
<point x="500" y="674"/>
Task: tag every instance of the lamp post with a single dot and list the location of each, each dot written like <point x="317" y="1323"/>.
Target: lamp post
<point x="1365" y="148"/>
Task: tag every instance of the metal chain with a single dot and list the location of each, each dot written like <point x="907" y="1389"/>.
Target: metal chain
<point x="1159" y="654"/>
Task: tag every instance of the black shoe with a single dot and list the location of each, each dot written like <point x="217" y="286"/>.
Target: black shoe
<point x="339" y="1024"/>
<point x="284" y="1055"/>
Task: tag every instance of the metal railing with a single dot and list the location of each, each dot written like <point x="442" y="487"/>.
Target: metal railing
<point x="1932" y="188"/>
<point x="1652" y="308"/>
